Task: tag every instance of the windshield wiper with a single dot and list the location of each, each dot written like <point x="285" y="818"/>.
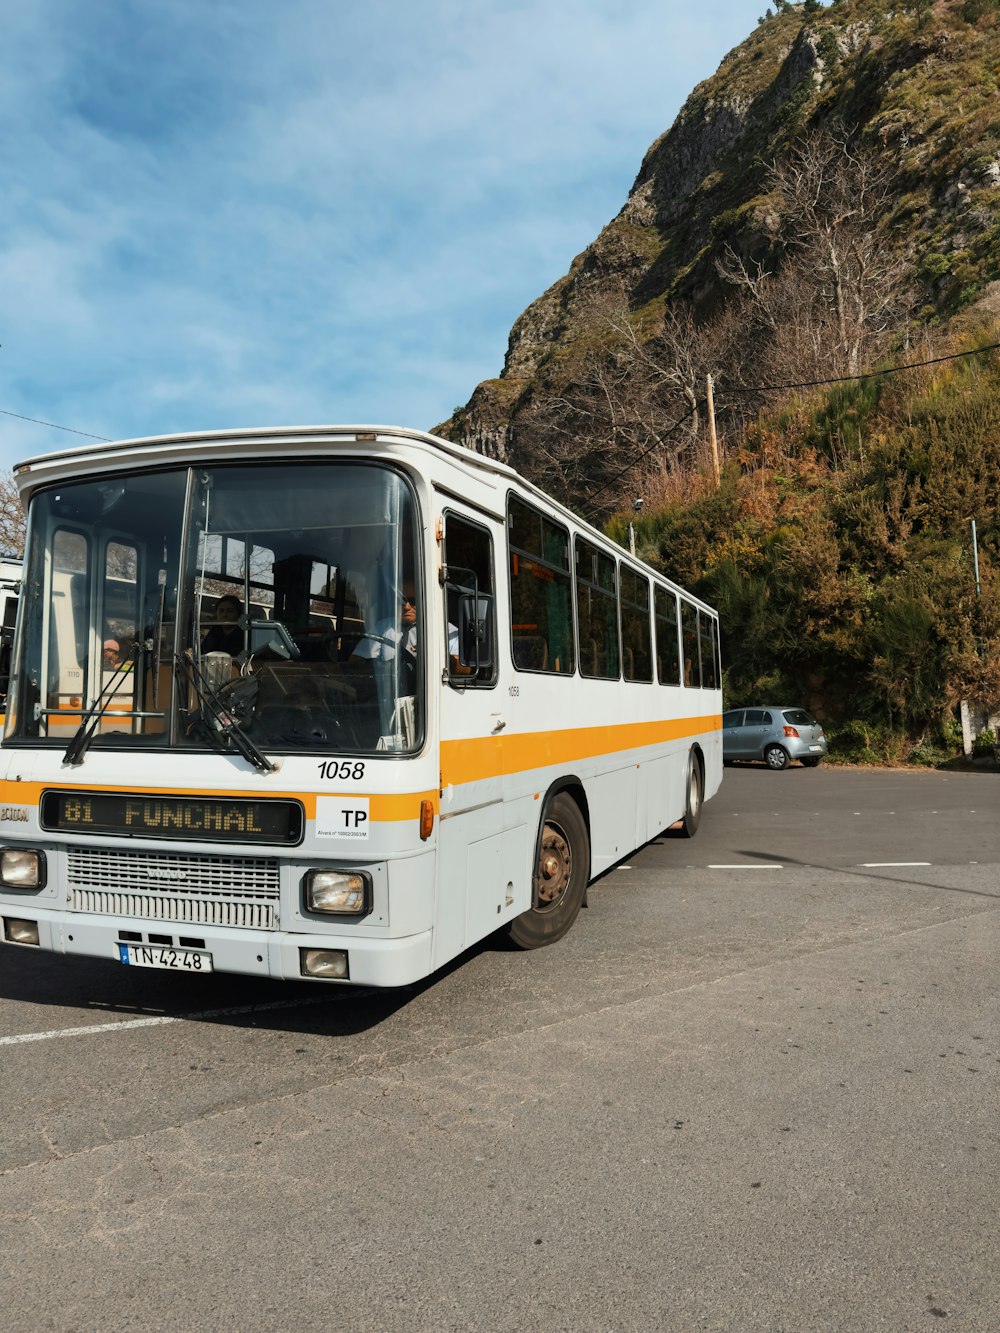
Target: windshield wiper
<point x="220" y="722"/>
<point x="91" y="720"/>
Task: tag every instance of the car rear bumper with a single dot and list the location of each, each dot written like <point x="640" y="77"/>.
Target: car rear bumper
<point x="806" y="749"/>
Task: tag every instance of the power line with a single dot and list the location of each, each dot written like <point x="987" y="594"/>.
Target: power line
<point x="38" y="422"/>
<point x="635" y="462"/>
<point x="850" y="379"/>
<point x="779" y="388"/>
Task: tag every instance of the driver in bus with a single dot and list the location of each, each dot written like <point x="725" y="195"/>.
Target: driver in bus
<point x="388" y="637"/>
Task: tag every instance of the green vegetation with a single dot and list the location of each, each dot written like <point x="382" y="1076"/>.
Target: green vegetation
<point x="838" y="552"/>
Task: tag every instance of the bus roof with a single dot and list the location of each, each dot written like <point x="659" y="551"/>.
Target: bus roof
<point x="182" y="441"/>
<point x="157" y="450"/>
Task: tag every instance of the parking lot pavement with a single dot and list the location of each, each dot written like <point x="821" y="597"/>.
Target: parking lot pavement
<point x="730" y="1099"/>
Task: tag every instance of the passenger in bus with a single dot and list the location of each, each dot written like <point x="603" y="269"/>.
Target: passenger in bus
<point x="225" y="635"/>
<point x="112" y="659"/>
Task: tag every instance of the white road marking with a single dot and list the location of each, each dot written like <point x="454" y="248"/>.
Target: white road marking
<point x="872" y="865"/>
<point x="750" y="865"/>
<point x="130" y="1024"/>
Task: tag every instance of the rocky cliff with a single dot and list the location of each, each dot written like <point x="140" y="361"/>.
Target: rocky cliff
<point x="919" y="83"/>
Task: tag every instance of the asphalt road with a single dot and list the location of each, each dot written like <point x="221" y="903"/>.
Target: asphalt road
<point x="756" y="1088"/>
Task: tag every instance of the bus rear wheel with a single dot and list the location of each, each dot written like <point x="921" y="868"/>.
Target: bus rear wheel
<point x="694" y="797"/>
<point x="562" y="872"/>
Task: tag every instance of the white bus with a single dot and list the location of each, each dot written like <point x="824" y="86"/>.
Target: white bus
<point x="440" y="706"/>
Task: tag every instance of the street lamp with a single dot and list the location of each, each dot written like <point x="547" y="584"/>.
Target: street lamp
<point x="636" y="506"/>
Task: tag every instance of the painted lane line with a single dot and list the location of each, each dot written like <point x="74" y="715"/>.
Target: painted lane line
<point x="131" y="1024"/>
<point x="873" y="865"/>
<point x="750" y="865"/>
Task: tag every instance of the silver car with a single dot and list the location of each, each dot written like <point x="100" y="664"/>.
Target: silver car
<point x="776" y="735"/>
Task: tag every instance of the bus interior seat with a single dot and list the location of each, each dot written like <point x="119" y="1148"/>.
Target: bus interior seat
<point x="531" y="652"/>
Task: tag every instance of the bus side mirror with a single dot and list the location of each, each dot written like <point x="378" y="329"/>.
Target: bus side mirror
<point x="475" y="630"/>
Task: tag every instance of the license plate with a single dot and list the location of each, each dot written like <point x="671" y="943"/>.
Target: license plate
<point x="159" y="955"/>
<point x="816" y="747"/>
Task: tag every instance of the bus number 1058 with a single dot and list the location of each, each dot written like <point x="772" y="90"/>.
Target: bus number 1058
<point x="341" y="770"/>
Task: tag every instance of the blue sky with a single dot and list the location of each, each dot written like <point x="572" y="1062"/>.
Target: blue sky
<point x="221" y="213"/>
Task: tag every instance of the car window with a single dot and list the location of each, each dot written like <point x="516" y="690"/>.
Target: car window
<point x="768" y="719"/>
<point x="798" y="717"/>
<point x="732" y="719"/>
<point x="754" y="717"/>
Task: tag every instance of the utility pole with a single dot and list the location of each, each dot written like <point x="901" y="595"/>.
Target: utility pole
<point x="710" y="397"/>
<point x="965" y="713"/>
<point x="975" y="557"/>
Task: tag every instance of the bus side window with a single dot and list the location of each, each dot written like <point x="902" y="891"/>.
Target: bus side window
<point x="689" y="638"/>
<point x="597" y="611"/>
<point x="470" y="602"/>
<point x="668" y="666"/>
<point x="706" y="631"/>
<point x="541" y="594"/>
<point x="637" y="659"/>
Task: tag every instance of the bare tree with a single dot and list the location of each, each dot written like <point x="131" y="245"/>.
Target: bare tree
<point x="825" y="302"/>
<point x="11" y="517"/>
<point x="632" y="408"/>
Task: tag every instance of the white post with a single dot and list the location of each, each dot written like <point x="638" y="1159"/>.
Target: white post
<point x="966" y="729"/>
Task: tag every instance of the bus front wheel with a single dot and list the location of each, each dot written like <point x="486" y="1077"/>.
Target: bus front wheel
<point x="562" y="872"/>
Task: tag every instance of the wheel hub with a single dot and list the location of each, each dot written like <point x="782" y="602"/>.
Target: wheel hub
<point x="555" y="864"/>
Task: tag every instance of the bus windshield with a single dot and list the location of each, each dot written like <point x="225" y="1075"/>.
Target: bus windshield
<point x="164" y="609"/>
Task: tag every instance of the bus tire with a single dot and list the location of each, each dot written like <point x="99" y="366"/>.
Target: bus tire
<point x="562" y="872"/>
<point x="694" y="798"/>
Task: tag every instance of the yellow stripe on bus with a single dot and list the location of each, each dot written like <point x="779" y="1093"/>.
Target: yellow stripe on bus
<point x="461" y="761"/>
<point x="495" y="756"/>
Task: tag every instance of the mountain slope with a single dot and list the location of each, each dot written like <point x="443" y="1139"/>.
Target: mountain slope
<point x="918" y="87"/>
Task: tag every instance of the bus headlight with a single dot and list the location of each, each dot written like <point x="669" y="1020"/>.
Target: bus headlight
<point x="22" y="868"/>
<point x="338" y="892"/>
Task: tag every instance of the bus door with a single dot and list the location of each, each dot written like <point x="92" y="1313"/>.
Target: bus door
<point x="481" y="861"/>
<point x="8" y="617"/>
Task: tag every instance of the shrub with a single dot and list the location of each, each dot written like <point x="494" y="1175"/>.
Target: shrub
<point x="985" y="743"/>
<point x="929" y="754"/>
<point x="864" y="742"/>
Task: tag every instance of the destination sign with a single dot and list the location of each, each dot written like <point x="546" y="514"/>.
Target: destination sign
<point x="199" y="818"/>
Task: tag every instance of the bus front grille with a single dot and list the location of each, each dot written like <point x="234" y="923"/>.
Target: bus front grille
<point x="165" y="886"/>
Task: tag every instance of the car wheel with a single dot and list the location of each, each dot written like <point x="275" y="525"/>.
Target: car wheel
<point x="810" y="761"/>
<point x="562" y="873"/>
<point x="776" y="757"/>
